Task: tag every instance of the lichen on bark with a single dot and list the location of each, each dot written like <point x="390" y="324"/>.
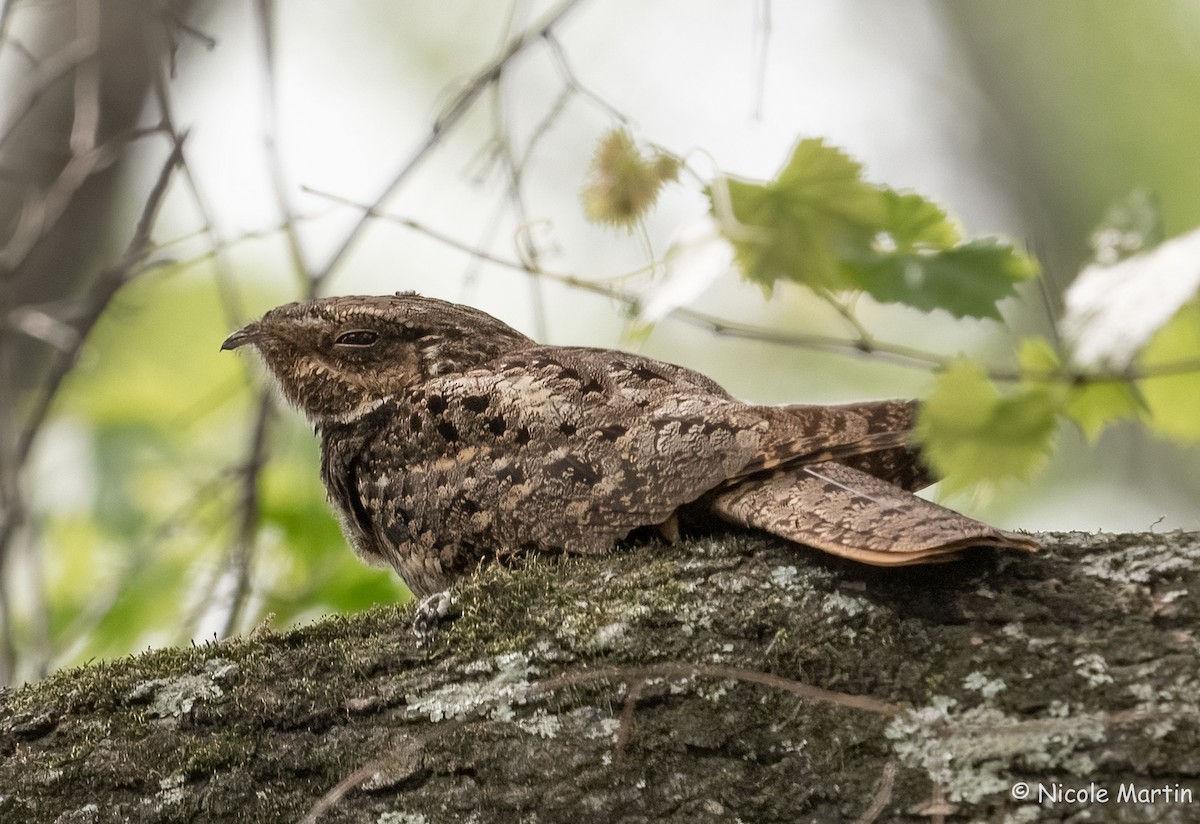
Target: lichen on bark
<point x="725" y="678"/>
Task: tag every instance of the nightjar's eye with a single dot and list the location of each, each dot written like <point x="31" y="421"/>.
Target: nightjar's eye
<point x="357" y="337"/>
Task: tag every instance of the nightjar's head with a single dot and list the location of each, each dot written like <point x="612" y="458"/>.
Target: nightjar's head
<point x="339" y="358"/>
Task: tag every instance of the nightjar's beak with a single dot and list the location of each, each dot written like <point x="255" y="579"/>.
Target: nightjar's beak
<point x="247" y="334"/>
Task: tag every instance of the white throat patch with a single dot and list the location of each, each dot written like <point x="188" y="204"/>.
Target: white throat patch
<point x="363" y="409"/>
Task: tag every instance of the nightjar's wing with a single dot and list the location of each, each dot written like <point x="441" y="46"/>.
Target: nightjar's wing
<point x="901" y="464"/>
<point x="557" y="449"/>
<point x="848" y="512"/>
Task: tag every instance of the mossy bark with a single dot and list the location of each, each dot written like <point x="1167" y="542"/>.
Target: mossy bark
<point x="664" y="684"/>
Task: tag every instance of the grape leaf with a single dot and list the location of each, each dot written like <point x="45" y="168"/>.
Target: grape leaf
<point x="1038" y="360"/>
<point x="967" y="281"/>
<point x="820" y="224"/>
<point x="1172" y="399"/>
<point x="972" y="434"/>
<point x="1094" y="405"/>
<point x="914" y="222"/>
<point x="797" y="227"/>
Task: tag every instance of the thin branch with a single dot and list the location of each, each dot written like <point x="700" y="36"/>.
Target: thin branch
<point x="249" y="510"/>
<point x="311" y="281"/>
<point x="718" y="326"/>
<point x="105" y="287"/>
<point x="761" y="46"/>
<point x="573" y="83"/>
<point x="862" y="347"/>
<point x="205" y="40"/>
<point x="12" y="512"/>
<point x="543" y="126"/>
<point x="102" y="291"/>
<point x="482" y="254"/>
<point x="328" y="801"/>
<point x="8" y="641"/>
<point x="217" y="249"/>
<point x="887" y="781"/>
<point x="45" y="74"/>
<point x="41" y="212"/>
<point x="682" y="670"/>
<point x="86" y="123"/>
<point x="405" y="757"/>
<point x="230" y="299"/>
<point x="458" y="107"/>
<point x="515" y="166"/>
<point x="625" y="728"/>
<point x="515" y="194"/>
<point x="6" y="9"/>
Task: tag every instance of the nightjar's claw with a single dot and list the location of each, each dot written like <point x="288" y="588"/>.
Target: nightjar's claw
<point x="429" y="614"/>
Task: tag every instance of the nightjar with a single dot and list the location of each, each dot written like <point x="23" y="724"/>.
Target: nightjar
<point x="449" y="438"/>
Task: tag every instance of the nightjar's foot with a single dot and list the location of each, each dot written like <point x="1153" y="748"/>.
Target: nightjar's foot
<point x="429" y="613"/>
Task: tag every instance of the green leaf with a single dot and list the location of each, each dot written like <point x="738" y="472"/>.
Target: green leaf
<point x="1172" y="398"/>
<point x="972" y="434"/>
<point x="799" y="226"/>
<point x="830" y="182"/>
<point x="1094" y="405"/>
<point x="821" y="225"/>
<point x="1038" y="360"/>
<point x="967" y="281"/>
<point x="914" y="222"/>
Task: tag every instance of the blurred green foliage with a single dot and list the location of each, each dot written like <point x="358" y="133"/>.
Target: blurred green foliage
<point x="1091" y="101"/>
<point x="159" y="417"/>
<point x="1173" y="400"/>
<point x="820" y="224"/>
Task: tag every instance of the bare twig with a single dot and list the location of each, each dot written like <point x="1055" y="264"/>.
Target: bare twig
<point x="328" y="801"/>
<point x="515" y="163"/>
<point x="454" y="112"/>
<point x="762" y="39"/>
<point x="936" y="807"/>
<point x="224" y="275"/>
<point x="8" y="642"/>
<point x="682" y="670"/>
<point x="85" y="313"/>
<point x="248" y="514"/>
<point x="45" y="75"/>
<point x="572" y="82"/>
<point x="243" y="550"/>
<point x="863" y="346"/>
<point x="516" y="199"/>
<point x="400" y="759"/>
<point x="6" y="10"/>
<point x="105" y="287"/>
<point x="625" y="729"/>
<point x="86" y="123"/>
<point x="887" y="781"/>
<point x="310" y="281"/>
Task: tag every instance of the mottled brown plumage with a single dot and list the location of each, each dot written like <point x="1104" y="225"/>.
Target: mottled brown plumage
<point x="449" y="438"/>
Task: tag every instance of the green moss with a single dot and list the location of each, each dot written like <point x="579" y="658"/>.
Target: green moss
<point x="217" y="754"/>
<point x="1007" y="670"/>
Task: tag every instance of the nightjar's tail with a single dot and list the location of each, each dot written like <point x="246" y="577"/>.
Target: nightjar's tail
<point x="847" y="512"/>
